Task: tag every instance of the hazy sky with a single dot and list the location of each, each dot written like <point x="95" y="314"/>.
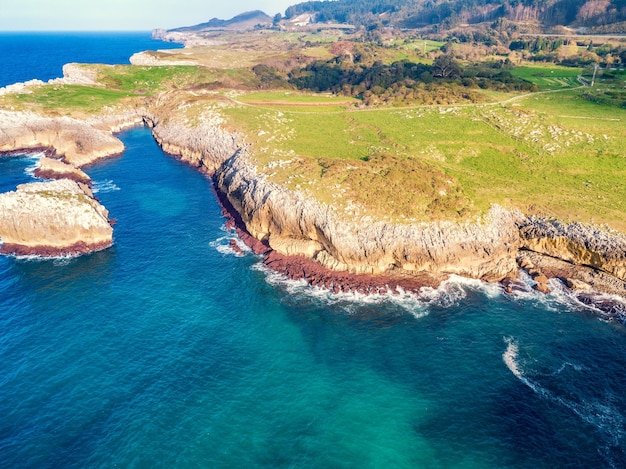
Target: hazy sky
<point x="125" y="15"/>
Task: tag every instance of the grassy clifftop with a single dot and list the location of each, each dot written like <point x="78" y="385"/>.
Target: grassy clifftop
<point x="558" y="151"/>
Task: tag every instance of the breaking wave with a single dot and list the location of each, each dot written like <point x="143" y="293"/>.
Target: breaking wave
<point x="224" y="245"/>
<point x="104" y="187"/>
<point x="34" y="157"/>
<point x="448" y="295"/>
<point x="598" y="412"/>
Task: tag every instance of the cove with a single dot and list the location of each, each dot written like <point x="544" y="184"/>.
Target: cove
<point x="169" y="350"/>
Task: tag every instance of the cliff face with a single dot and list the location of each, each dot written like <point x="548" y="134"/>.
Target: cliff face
<point x="294" y="225"/>
<point x="577" y="244"/>
<point x="205" y="147"/>
<point x="79" y="143"/>
<point x="52" y="219"/>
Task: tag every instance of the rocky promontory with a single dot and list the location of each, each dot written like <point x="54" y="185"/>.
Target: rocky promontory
<point x="61" y="217"/>
<point x="56" y="218"/>
<point x="307" y="240"/>
<point x="77" y="142"/>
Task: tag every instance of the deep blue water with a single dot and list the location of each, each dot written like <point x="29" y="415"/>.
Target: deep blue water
<point x="26" y="56"/>
<point x="168" y="350"/>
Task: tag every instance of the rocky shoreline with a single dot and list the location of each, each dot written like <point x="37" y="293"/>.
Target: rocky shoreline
<point x="292" y="232"/>
<point x="55" y="218"/>
<point x="60" y="217"/>
<point x="304" y="239"/>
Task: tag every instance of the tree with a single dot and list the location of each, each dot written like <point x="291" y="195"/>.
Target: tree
<point x="445" y="66"/>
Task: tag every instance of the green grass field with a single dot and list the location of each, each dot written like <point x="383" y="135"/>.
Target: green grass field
<point x="551" y="154"/>
<point x="549" y="77"/>
<point x="88" y="99"/>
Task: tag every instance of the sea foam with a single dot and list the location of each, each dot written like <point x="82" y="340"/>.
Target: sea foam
<point x="448" y="294"/>
<point x="600" y="413"/>
<point x="104" y="187"/>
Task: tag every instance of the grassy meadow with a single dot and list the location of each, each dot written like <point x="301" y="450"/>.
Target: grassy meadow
<point x="550" y="153"/>
<point x="557" y="152"/>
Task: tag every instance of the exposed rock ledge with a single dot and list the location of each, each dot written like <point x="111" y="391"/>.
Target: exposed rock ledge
<point x="55" y="169"/>
<point x="78" y="142"/>
<point x="57" y="218"/>
<point x="73" y="74"/>
<point x="62" y="217"/>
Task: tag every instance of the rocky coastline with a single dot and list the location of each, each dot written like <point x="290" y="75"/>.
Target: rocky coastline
<point x="60" y="217"/>
<point x="305" y="239"/>
<point x="55" y="218"/>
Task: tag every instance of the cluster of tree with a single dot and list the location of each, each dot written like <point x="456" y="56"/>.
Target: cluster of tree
<point x="571" y="54"/>
<point x="406" y="80"/>
<point x="539" y="44"/>
<point x="362" y="12"/>
<point x="417" y="13"/>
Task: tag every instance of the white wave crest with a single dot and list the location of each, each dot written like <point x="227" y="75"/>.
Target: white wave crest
<point x="449" y="294"/>
<point x="223" y="246"/>
<point x="104" y="186"/>
<point x="560" y="297"/>
<point x="603" y="416"/>
<point x="34" y="157"/>
<point x="510" y="357"/>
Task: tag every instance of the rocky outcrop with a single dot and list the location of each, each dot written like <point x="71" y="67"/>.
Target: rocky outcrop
<point x="57" y="218"/>
<point x="61" y="217"/>
<point x="576" y="243"/>
<point x="49" y="168"/>
<point x="73" y="74"/>
<point x="77" y="142"/>
<point x="205" y="147"/>
<point x="151" y="59"/>
<point x="295" y="225"/>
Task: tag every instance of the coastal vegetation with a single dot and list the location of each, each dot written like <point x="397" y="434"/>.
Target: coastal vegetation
<point x="393" y="127"/>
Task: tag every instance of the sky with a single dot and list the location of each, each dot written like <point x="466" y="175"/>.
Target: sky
<point x="124" y="15"/>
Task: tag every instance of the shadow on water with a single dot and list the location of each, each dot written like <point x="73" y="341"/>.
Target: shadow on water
<point x="569" y="401"/>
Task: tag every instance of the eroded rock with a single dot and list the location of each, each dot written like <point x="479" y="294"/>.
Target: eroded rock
<point x="56" y="218"/>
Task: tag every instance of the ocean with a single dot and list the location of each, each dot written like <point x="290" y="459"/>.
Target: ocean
<point x="171" y="350"/>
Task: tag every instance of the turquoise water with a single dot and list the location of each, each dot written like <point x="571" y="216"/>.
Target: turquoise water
<point x="168" y="350"/>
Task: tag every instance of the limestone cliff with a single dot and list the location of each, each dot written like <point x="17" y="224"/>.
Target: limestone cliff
<point x="52" y="219"/>
<point x="205" y="147"/>
<point x="295" y="225"/>
<point x="577" y="244"/>
<point x="79" y="143"/>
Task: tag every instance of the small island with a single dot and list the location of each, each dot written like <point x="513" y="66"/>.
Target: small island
<point x="360" y="157"/>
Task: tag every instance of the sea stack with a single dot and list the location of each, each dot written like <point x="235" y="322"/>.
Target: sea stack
<point x="56" y="218"/>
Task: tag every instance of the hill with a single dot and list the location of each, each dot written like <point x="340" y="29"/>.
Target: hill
<point x="243" y="22"/>
<point x="608" y="15"/>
